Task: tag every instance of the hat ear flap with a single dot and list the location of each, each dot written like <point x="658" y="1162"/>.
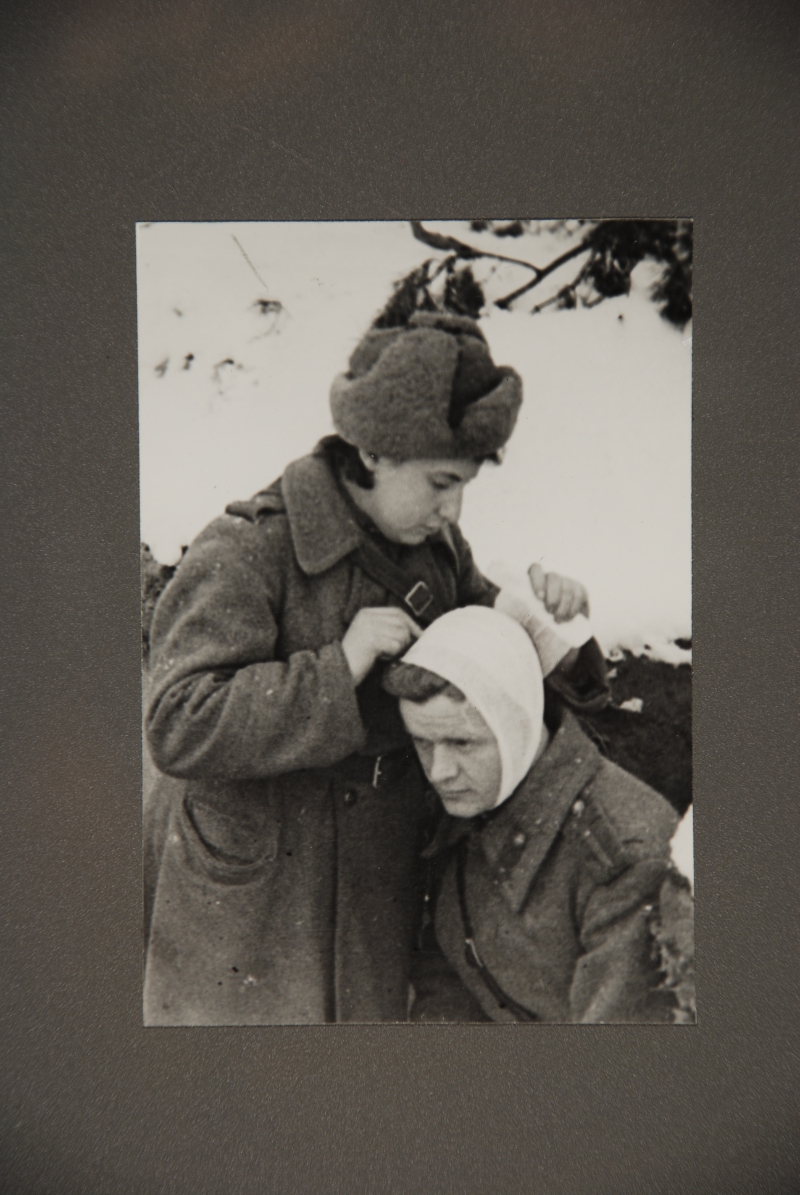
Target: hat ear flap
<point x="490" y="420"/>
<point x="475" y="376"/>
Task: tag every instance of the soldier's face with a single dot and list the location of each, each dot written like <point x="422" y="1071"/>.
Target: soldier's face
<point x="458" y="753"/>
<point x="412" y="500"/>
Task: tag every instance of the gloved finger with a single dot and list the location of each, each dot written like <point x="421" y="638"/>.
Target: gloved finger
<point x="536" y="576"/>
<point x="554" y="588"/>
<point x="577" y="603"/>
<point x="567" y="607"/>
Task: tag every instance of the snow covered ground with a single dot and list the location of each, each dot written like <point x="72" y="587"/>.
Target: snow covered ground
<point x="596" y="479"/>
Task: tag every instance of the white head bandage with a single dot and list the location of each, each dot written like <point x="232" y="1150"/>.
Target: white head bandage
<point x="489" y="657"/>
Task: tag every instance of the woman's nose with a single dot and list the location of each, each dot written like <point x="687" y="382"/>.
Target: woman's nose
<point x="450" y="506"/>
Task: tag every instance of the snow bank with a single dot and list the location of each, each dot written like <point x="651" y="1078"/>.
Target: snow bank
<point x="682" y="845"/>
<point x="596" y="479"/>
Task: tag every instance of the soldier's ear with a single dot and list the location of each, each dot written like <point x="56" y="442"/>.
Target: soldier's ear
<point x="368" y="460"/>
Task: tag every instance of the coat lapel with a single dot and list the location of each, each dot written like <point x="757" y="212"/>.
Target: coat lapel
<point x="323" y="530"/>
<point x="449" y="831"/>
<point x="518" y="839"/>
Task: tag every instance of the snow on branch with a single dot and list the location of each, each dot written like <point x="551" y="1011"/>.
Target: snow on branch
<point x="610" y="249"/>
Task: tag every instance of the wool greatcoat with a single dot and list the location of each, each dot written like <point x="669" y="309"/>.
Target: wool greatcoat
<point x="283" y="834"/>
<point x="560" y="886"/>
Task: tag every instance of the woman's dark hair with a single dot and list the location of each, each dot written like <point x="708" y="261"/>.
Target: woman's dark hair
<point x="346" y="461"/>
<point x="409" y="682"/>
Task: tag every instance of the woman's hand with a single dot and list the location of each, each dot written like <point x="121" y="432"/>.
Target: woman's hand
<point x="377" y="632"/>
<point x="562" y="597"/>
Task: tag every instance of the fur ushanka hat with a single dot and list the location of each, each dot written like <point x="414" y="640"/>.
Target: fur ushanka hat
<point x="428" y="390"/>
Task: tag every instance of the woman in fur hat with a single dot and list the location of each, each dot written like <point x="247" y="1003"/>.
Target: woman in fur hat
<point x="283" y="837"/>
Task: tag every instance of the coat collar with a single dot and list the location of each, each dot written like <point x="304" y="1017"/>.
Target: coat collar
<point x="323" y="529"/>
<point x="323" y="523"/>
<point x="517" y="839"/>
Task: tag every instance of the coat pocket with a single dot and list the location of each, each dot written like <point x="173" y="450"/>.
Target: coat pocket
<point x="227" y="847"/>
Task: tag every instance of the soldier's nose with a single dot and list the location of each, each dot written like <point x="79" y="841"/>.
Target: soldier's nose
<point x="444" y="766"/>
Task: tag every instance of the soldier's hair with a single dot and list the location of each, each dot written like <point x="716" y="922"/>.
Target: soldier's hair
<point x="409" y="682"/>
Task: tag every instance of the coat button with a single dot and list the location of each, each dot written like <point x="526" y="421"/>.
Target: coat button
<point x="578" y="807"/>
<point x="350" y="797"/>
<point x="519" y="839"/>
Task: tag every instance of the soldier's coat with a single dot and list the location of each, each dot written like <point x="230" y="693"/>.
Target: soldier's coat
<point x="561" y="884"/>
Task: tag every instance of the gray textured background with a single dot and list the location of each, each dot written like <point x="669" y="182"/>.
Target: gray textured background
<point x="190" y="110"/>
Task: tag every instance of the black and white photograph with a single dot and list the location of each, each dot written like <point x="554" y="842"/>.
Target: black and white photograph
<point x="400" y="540"/>
<point x="416" y="621"/>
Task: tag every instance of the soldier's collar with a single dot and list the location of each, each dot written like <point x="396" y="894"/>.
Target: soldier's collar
<point x="449" y="831"/>
<point x="518" y="839"/>
<point x="322" y="526"/>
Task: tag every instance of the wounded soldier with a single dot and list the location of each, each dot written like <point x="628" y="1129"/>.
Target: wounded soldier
<point x="546" y="873"/>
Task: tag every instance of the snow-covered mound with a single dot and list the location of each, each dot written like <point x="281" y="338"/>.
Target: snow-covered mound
<point x="243" y="326"/>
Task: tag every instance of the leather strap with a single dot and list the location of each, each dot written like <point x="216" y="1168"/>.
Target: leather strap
<point x="423" y="599"/>
<point x="473" y="959"/>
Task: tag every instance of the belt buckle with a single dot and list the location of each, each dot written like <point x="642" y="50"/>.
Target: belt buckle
<point x="418" y="598"/>
<point x="376" y="775"/>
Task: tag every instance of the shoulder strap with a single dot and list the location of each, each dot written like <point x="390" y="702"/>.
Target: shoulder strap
<point x="416" y="595"/>
<point x="267" y="502"/>
<point x="473" y="959"/>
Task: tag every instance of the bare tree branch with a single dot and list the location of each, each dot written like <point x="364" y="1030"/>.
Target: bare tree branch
<point x="467" y="252"/>
<point x="546" y="303"/>
<point x="453" y="245"/>
<point x="507" y="300"/>
<point x="613" y="249"/>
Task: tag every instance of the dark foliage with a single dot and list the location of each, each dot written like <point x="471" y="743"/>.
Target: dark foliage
<point x="672" y="929"/>
<point x="409" y="295"/>
<point x="463" y="294"/>
<point x="674" y="290"/>
<point x="656" y="745"/>
<point x="514" y="229"/>
<point x="610" y="250"/>
<point x="618" y="246"/>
